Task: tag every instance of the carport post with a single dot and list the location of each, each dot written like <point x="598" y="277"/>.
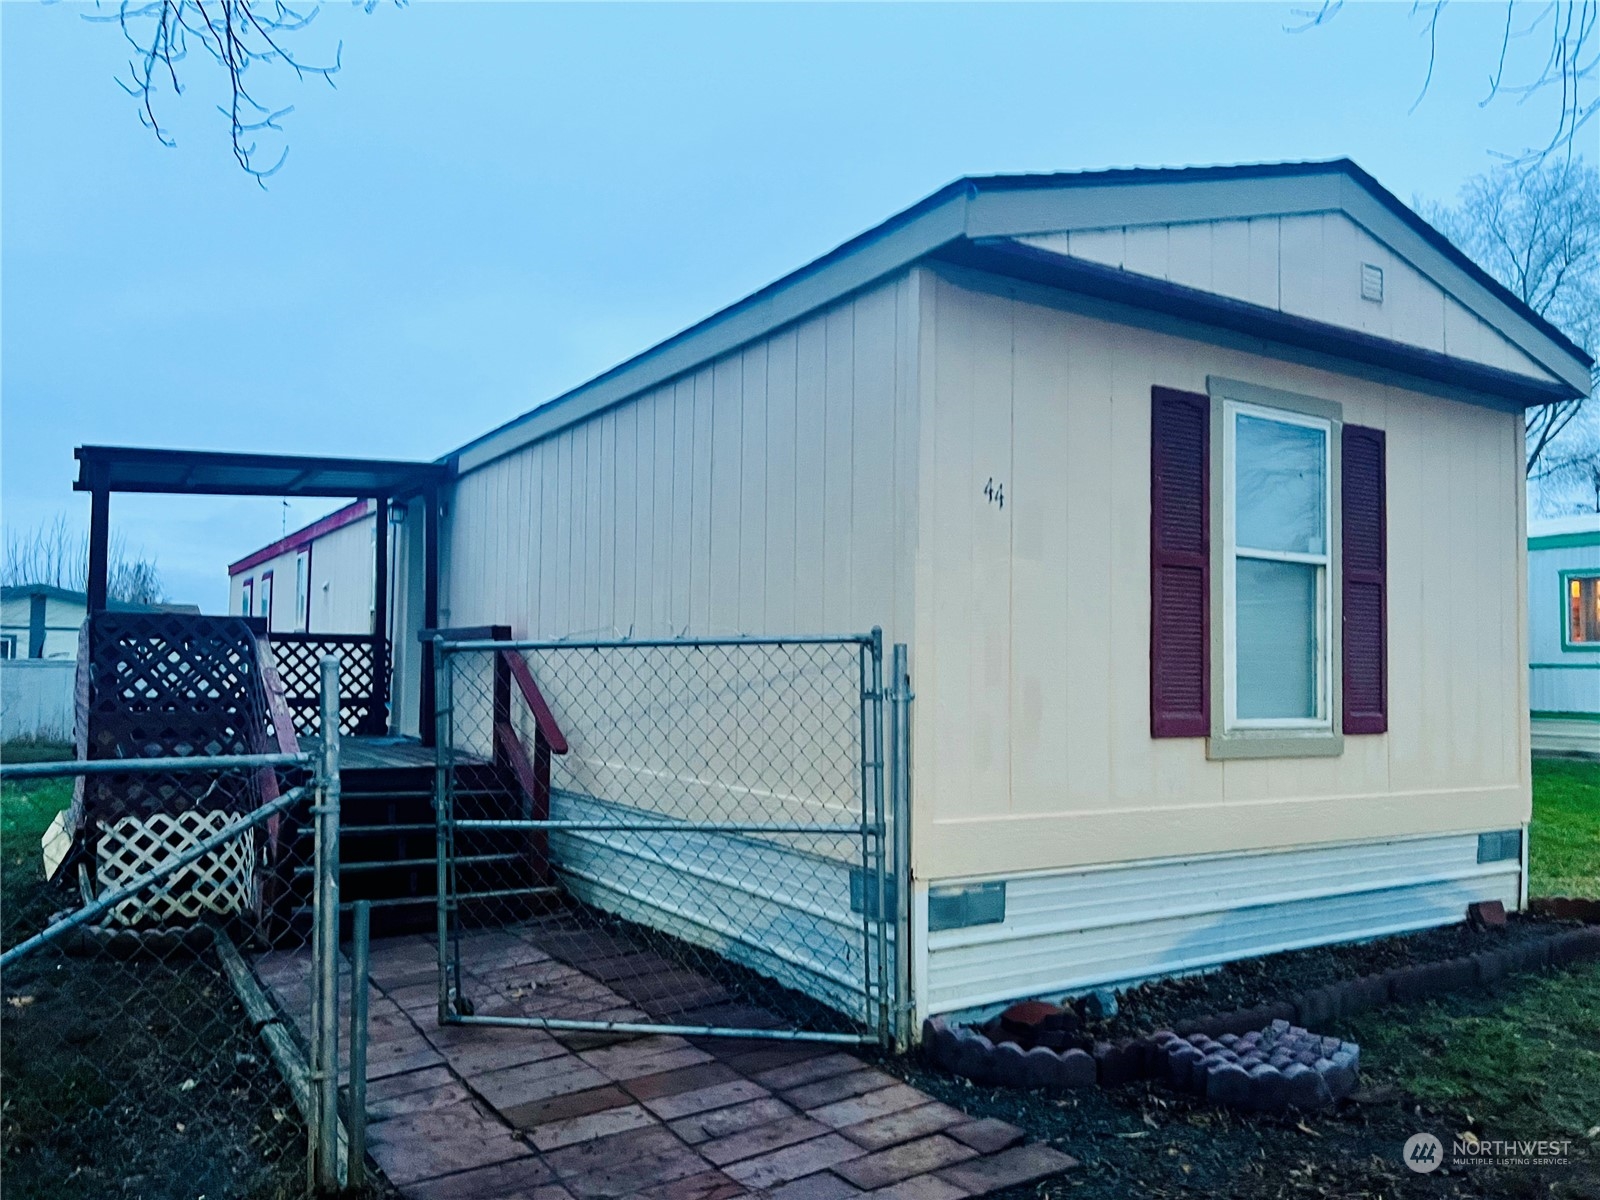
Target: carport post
<point x="99" y="546"/>
<point x="380" y="720"/>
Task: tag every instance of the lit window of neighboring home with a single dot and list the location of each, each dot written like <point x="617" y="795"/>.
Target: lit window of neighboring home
<point x="1580" y="627"/>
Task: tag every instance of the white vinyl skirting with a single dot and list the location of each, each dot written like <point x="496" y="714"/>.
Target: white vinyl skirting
<point x="1071" y="930"/>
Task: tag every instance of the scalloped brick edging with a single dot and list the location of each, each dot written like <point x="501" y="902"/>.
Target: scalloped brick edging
<point x="1567" y="908"/>
<point x="965" y="1051"/>
<point x="1264" y="1070"/>
<point x="1350" y="996"/>
<point x="1269" y="1070"/>
<point x="1013" y="1057"/>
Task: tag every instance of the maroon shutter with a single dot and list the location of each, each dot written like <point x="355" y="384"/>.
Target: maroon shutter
<point x="1365" y="568"/>
<point x="1180" y="564"/>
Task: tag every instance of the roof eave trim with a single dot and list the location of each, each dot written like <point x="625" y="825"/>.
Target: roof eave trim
<point x="304" y="536"/>
<point x="1011" y="205"/>
<point x="1338" y="186"/>
<point x="1015" y="260"/>
<point x="859" y="263"/>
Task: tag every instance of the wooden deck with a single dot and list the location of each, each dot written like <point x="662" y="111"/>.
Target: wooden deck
<point x="376" y="753"/>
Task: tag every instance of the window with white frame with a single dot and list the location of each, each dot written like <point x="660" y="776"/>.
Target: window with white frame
<point x="1277" y="529"/>
<point x="8" y="646"/>
<point x="264" y="597"/>
<point x="302" y="582"/>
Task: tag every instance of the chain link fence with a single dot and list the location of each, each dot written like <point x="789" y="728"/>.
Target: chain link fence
<point x="140" y="1056"/>
<point x="695" y="832"/>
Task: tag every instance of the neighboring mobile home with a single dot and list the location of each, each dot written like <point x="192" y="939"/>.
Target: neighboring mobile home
<point x="317" y="579"/>
<point x="39" y="620"/>
<point x="39" y="628"/>
<point x="1564" y="634"/>
<point x="1198" y="498"/>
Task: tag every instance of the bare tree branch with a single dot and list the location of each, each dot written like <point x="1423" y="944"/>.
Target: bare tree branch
<point x="1567" y="66"/>
<point x="1536" y="228"/>
<point x="55" y="554"/>
<point x="238" y="35"/>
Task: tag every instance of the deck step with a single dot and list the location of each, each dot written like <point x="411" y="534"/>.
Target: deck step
<point x="388" y="851"/>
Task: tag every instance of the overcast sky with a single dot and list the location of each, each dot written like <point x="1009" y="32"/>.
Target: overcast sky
<point x="499" y="201"/>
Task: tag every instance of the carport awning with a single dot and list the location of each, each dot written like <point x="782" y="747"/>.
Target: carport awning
<point x="213" y="473"/>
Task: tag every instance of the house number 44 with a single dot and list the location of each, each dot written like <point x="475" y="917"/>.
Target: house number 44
<point x="995" y="493"/>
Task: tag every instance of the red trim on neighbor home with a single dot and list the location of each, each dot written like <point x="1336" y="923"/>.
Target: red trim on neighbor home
<point x="347" y="515"/>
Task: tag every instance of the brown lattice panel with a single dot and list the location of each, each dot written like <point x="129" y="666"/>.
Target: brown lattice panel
<point x="363" y="684"/>
<point x="169" y="685"/>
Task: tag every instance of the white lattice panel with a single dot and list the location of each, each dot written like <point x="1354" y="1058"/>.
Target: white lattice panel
<point x="219" y="882"/>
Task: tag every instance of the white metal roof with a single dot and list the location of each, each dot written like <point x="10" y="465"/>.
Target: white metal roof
<point x="982" y="220"/>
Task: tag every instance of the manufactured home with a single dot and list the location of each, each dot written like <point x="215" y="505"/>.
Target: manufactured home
<point x="315" y="580"/>
<point x="1564" y="634"/>
<point x="1195" y="496"/>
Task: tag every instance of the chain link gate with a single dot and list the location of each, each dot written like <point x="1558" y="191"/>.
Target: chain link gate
<point x="669" y="836"/>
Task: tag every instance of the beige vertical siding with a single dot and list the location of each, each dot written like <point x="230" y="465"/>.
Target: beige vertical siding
<point x="340" y="587"/>
<point x="341" y="582"/>
<point x="1030" y="656"/>
<point x="1308" y="265"/>
<point x="767" y="492"/>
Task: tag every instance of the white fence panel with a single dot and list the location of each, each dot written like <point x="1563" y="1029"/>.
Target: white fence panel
<point x="36" y="698"/>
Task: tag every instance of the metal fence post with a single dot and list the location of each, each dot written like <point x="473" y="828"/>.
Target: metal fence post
<point x="360" y="936"/>
<point x="900" y="698"/>
<point x="326" y="924"/>
<point x="444" y="831"/>
<point x="879" y="844"/>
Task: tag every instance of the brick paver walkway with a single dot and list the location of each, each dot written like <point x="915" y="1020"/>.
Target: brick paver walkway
<point x="479" y="1113"/>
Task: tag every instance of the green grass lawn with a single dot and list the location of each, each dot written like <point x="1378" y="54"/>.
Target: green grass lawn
<point x="1522" y="1060"/>
<point x="26" y="810"/>
<point x="1564" y="845"/>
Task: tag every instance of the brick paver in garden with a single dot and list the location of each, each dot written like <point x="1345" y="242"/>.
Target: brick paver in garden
<point x="518" y="1114"/>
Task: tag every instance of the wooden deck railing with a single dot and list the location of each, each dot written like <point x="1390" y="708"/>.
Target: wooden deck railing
<point x="363" y="685"/>
<point x="529" y="765"/>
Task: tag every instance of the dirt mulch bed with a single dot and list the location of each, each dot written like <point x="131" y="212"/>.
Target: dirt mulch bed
<point x="139" y="1078"/>
<point x="1141" y="1139"/>
<point x="1162" y="1003"/>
